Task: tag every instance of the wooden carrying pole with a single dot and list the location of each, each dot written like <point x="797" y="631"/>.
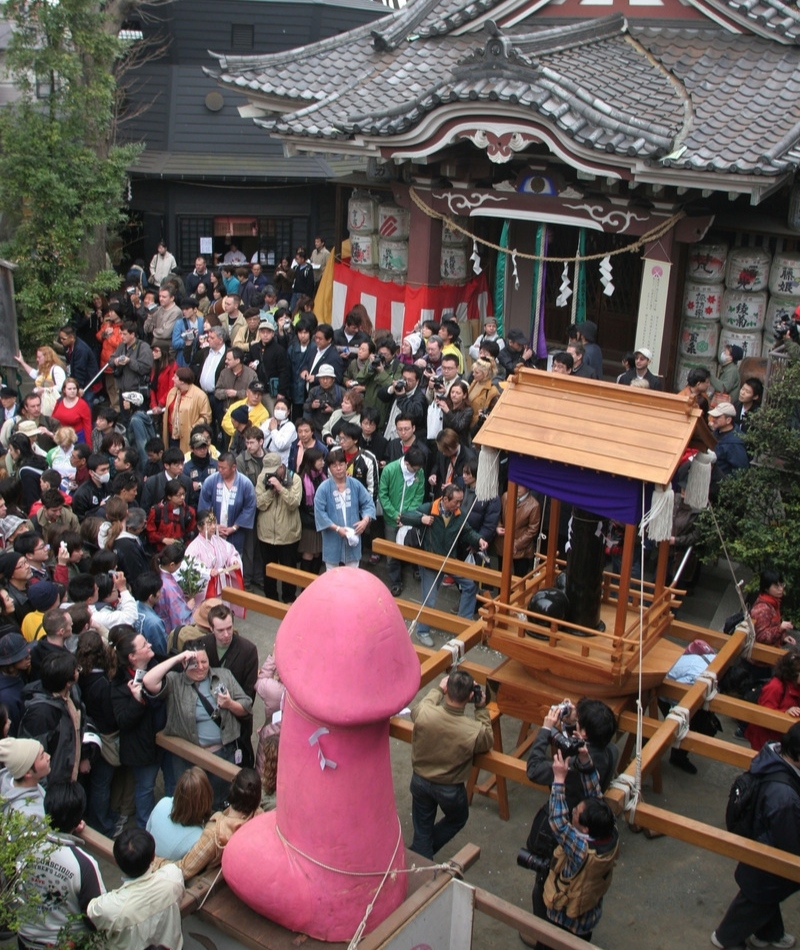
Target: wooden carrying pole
<point x="509" y="523"/>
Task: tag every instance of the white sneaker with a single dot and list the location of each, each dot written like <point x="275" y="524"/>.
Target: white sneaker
<point x="427" y="641"/>
<point x="786" y="941"/>
<point x="715" y="942"/>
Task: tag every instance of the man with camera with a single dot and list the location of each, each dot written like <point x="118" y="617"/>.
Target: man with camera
<point x="586" y="852"/>
<point x="408" y="398"/>
<point x="589" y="725"/>
<point x="443" y="744"/>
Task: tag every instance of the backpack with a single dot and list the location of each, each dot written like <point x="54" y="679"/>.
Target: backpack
<point x="742" y="807"/>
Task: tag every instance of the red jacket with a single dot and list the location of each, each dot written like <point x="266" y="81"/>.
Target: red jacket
<point x="775" y="695"/>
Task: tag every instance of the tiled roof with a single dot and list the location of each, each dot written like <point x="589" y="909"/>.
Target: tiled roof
<point x="718" y="101"/>
<point x="562" y="75"/>
<point x="765" y="17"/>
<point x="744" y="92"/>
<point x="233" y="167"/>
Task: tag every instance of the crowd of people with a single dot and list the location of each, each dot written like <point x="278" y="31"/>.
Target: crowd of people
<point x="182" y="435"/>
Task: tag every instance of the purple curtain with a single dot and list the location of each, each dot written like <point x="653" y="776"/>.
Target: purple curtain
<point x="608" y="495"/>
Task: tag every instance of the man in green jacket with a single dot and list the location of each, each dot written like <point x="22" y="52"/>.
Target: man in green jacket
<point x="402" y="489"/>
<point x="444" y="521"/>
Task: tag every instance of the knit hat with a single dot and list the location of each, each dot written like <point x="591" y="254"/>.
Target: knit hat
<point x="18" y="755"/>
<point x="9" y="559"/>
<point x="43" y="595"/>
<point x="737" y="353"/>
<point x="13" y="648"/>
<point x="200" y="615"/>
<point x="241" y="414"/>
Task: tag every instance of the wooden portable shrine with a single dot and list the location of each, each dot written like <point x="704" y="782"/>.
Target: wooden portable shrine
<point x="602" y="448"/>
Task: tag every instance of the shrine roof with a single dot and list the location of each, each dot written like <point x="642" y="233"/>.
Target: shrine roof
<point x="688" y="97"/>
<point x="599" y="426"/>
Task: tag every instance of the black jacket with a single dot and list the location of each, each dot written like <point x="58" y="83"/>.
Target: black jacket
<point x="656" y="382"/>
<point x="273" y="364"/>
<point x="81" y="362"/>
<point x="413" y="404"/>
<point x="138" y="722"/>
<point x="96" y="692"/>
<point x="47" y="720"/>
<point x="88" y="497"/>
<point x="131" y="557"/>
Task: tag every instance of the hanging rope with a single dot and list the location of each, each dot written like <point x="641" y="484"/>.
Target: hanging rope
<point x="653" y="235"/>
<point x="750" y="630"/>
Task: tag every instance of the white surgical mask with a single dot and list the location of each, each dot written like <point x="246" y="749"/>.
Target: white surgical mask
<point x="280" y="414"/>
<point x="725" y="358"/>
<point x="104" y="479"/>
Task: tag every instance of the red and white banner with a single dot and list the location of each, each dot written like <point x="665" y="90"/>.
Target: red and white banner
<point x="399" y="308"/>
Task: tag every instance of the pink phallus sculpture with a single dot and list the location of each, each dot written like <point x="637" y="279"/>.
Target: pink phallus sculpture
<point x="345" y="657"/>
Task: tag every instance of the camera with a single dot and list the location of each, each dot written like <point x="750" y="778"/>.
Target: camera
<point x="476" y="696"/>
<point x="191" y="663"/>
<point x="189" y="334"/>
<point x="138" y="676"/>
<point x="438" y="385"/>
<point x="564" y="709"/>
<point x="533" y="862"/>
<point x="220" y="690"/>
<point x="399" y="385"/>
<point x="377" y="362"/>
<point x="567" y="745"/>
<point x="216" y="716"/>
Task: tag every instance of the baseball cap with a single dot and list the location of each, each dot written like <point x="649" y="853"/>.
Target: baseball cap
<point x="723" y="409"/>
<point x="643" y="351"/>
<point x="271" y="463"/>
<point x="256" y="387"/>
<point x="517" y="336"/>
<point x="267" y="323"/>
<point x="199" y="438"/>
<point x="134" y="398"/>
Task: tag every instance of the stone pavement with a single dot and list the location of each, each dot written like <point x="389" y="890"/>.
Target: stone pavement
<point x="666" y="894"/>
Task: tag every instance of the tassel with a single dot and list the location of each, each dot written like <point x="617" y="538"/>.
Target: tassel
<point x="488" y="471"/>
<point x="699" y="480"/>
<point x="658" y="520"/>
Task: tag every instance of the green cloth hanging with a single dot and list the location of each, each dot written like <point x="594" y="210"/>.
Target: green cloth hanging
<point x="537" y="334"/>
<point x="500" y="281"/>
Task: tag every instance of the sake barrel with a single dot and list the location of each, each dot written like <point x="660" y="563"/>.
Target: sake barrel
<point x="702" y="301"/>
<point x="699" y="338"/>
<point x="706" y="263"/>
<point x="363" y="250"/>
<point x="393" y="221"/>
<point x="747" y="269"/>
<point x="779" y="310"/>
<point x="749" y="340"/>
<point x="686" y="363"/>
<point x="784" y="275"/>
<point x="453" y="263"/>
<point x="362" y="213"/>
<point x="393" y="256"/>
<point x="450" y="236"/>
<point x="742" y="310"/>
<point x="389" y="278"/>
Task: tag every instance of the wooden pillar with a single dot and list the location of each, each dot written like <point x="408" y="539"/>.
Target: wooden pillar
<point x="425" y="240"/>
<point x="552" y="541"/>
<point x="625" y="578"/>
<point x="509" y="522"/>
<point x="661" y="567"/>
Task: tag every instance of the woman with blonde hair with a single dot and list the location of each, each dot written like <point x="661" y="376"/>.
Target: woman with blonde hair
<point x="48" y="376"/>
<point x="483" y="393"/>
<point x="60" y="456"/>
<point x="177" y="821"/>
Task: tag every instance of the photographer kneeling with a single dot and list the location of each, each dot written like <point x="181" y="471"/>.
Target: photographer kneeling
<point x="587" y="850"/>
<point x="591" y="726"/>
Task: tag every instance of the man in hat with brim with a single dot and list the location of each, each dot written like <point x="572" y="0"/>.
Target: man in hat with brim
<point x="730" y="450"/>
<point x="234" y="420"/>
<point x="517" y="352"/>
<point x="489" y="333"/>
<point x="26" y="764"/>
<point x="15" y="661"/>
<point x="642" y="358"/>
<point x="268" y="358"/>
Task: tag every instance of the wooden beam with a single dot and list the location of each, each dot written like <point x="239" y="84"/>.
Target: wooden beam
<point x="688" y="632"/>
<point x="718" y="840"/>
<point x="509" y="523"/>
<point x="198" y="756"/>
<point x="434" y="561"/>
<point x="735" y="708"/>
<point x="533" y="928"/>
<point x="552" y="541"/>
<point x="716" y="749"/>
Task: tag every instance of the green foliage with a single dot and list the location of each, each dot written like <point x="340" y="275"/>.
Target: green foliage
<point x="62" y="179"/>
<point x="189" y="577"/>
<point x="22" y="839"/>
<point x="758" y="510"/>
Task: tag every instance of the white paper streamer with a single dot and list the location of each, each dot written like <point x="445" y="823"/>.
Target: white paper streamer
<point x="476" y="259"/>
<point x="565" y="290"/>
<point x="516" y="272"/>
<point x="314" y="740"/>
<point x="605" y="276"/>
